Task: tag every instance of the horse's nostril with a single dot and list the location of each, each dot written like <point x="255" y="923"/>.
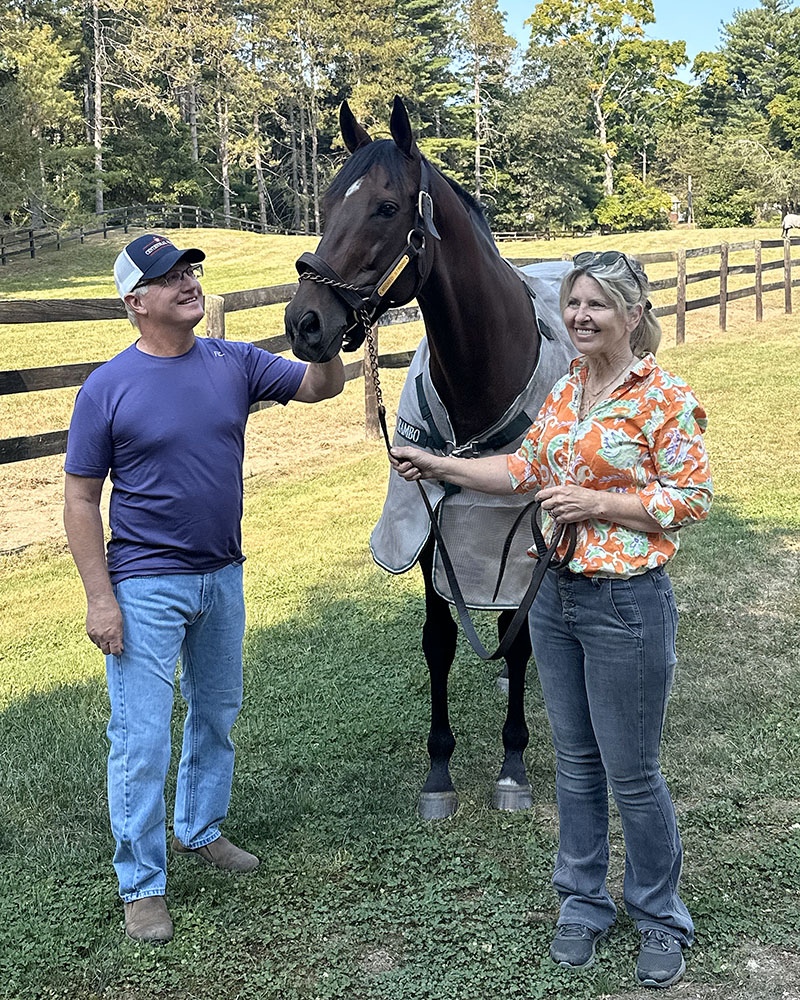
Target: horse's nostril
<point x="309" y="323"/>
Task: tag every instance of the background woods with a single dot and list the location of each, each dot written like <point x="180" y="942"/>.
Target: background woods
<point x="232" y="105"/>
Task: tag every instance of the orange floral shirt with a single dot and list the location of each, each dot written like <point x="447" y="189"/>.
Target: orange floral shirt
<point x="646" y="438"/>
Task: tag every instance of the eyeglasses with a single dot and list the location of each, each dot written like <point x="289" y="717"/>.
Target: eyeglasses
<point x="173" y="278"/>
<point x="587" y="258"/>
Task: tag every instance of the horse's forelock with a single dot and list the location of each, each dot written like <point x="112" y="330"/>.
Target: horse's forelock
<point x="382" y="152"/>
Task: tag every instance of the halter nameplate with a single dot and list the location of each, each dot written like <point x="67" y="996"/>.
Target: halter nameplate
<point x="393" y="275"/>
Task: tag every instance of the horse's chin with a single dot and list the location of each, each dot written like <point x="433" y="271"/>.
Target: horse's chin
<point x="317" y="355"/>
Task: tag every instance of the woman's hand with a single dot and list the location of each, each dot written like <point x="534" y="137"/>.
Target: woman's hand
<point x="413" y="463"/>
<point x="570" y="503"/>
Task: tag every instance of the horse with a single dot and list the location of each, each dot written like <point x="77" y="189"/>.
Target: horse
<point x="397" y="228"/>
<point x="789" y="222"/>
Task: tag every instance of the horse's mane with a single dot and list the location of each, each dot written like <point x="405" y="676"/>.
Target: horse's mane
<point x="386" y="153"/>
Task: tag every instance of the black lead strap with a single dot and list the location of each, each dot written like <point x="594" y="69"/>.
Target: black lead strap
<point x="544" y="562"/>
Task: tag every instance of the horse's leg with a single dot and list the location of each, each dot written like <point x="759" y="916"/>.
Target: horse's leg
<point x="512" y="790"/>
<point x="438" y="797"/>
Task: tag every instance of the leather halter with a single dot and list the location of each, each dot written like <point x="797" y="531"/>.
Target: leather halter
<point x="367" y="304"/>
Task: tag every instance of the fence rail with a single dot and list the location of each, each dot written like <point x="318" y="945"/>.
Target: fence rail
<point x="13" y="311"/>
<point x="29" y="241"/>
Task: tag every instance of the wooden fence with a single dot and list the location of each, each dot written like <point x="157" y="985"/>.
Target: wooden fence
<point x="28" y="242"/>
<point x="218" y="306"/>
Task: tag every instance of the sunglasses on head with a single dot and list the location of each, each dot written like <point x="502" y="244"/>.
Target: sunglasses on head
<point x="588" y="258"/>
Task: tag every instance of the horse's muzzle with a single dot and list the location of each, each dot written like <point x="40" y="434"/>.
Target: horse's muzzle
<point x="309" y="338"/>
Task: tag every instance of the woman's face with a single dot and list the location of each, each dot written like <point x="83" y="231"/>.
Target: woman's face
<point x="593" y="323"/>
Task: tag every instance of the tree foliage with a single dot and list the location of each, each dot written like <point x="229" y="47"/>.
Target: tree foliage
<point x="233" y="104"/>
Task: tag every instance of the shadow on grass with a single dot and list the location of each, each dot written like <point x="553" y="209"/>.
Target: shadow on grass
<point x="357" y="898"/>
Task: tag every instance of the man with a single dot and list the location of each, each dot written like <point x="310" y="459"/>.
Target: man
<point x="166" y="418"/>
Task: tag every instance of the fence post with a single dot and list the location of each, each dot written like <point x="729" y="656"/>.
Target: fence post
<point x="759" y="282"/>
<point x="215" y="316"/>
<point x="105" y="227"/>
<point x="125" y="219"/>
<point x="372" y="427"/>
<point x="2" y="250"/>
<point x="81" y="234"/>
<point x="787" y="275"/>
<point x="58" y="239"/>
<point x="32" y="244"/>
<point x="197" y="218"/>
<point x="180" y="216"/>
<point x="680" y="314"/>
<point x="723" y="286"/>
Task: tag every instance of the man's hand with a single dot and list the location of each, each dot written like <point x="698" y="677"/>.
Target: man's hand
<point x="104" y="625"/>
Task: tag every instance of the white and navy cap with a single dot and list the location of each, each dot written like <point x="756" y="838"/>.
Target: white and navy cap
<point x="149" y="256"/>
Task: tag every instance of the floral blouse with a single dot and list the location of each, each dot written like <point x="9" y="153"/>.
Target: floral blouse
<point x="646" y="438"/>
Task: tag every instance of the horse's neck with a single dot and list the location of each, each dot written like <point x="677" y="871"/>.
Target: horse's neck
<point x="479" y="323"/>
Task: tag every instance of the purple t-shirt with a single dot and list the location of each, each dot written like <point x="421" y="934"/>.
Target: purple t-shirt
<point x="171" y="432"/>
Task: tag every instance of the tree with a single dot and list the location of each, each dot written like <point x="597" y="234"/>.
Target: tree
<point x="622" y="66"/>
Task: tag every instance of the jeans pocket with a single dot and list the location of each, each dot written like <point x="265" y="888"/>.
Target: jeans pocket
<point x="625" y="606"/>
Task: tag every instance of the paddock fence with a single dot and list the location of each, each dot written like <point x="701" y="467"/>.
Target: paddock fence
<point x="12" y="311"/>
<point x="27" y="242"/>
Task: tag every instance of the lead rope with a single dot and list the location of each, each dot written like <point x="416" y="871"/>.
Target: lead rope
<point x="546" y="552"/>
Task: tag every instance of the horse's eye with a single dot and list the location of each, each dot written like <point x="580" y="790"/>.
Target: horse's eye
<point x="387" y="209"/>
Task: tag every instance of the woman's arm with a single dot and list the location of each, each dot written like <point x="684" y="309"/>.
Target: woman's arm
<point x="487" y="475"/>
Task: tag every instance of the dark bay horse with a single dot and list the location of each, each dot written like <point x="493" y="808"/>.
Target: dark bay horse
<point x="395" y="229"/>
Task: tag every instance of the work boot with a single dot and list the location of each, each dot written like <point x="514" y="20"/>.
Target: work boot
<point x="574" y="945"/>
<point x="660" y="961"/>
<point x="220" y="853"/>
<point x="147" y="919"/>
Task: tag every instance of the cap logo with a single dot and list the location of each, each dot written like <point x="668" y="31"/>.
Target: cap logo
<point x="157" y="244"/>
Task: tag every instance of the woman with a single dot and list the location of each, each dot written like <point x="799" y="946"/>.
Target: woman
<point x="617" y="448"/>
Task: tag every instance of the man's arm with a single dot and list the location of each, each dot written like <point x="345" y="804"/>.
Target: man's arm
<point x="321" y="381"/>
<point x="84" y="527"/>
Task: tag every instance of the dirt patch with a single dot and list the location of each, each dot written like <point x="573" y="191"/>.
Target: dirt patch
<point x="762" y="973"/>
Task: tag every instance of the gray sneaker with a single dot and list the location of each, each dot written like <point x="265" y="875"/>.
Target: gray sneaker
<point x="660" y="961"/>
<point x="574" y="945"/>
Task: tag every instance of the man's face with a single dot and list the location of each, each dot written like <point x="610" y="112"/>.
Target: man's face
<point x="176" y="297"/>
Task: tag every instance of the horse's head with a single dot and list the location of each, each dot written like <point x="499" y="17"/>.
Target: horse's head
<point x="373" y="254"/>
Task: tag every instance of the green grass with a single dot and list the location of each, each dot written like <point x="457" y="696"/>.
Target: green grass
<point x="355" y="898"/>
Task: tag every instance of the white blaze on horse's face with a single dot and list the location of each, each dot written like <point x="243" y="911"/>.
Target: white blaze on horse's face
<point x="353" y="188"/>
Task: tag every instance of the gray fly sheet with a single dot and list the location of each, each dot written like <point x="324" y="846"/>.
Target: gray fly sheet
<point x="474" y="525"/>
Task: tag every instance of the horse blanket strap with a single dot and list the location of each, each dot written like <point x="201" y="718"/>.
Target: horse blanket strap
<point x="434" y="437"/>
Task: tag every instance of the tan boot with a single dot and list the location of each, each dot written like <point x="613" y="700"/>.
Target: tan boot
<point x="220" y="853"/>
<point x="147" y="919"/>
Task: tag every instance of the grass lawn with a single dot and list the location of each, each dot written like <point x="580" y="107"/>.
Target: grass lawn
<point x="356" y="898"/>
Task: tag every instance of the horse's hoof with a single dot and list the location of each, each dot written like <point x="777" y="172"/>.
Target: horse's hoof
<point x="511" y="797"/>
<point x="437" y="805"/>
<point x="502" y="685"/>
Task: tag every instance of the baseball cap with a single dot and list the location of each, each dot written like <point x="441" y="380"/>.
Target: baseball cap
<point x="149" y="256"/>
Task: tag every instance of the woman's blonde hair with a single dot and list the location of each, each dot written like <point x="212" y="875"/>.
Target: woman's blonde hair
<point x="624" y="282"/>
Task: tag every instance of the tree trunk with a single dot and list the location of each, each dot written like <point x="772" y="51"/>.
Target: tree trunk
<point x="98" y="107"/>
<point x="191" y="107"/>
<point x="602" y="135"/>
<point x="295" y="170"/>
<point x="224" y="150"/>
<point x="262" y="200"/>
<point x="315" y="157"/>
<point x="304" y="167"/>
<point x="477" y="99"/>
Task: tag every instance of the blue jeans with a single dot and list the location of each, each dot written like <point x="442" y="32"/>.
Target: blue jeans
<point x="199" y="617"/>
<point x="605" y="651"/>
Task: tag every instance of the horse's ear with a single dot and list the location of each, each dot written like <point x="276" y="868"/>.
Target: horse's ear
<point x="353" y="134"/>
<point x="400" y="128"/>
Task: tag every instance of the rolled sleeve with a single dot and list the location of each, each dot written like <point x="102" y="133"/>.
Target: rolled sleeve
<point x="523" y="467"/>
<point x="682" y="490"/>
